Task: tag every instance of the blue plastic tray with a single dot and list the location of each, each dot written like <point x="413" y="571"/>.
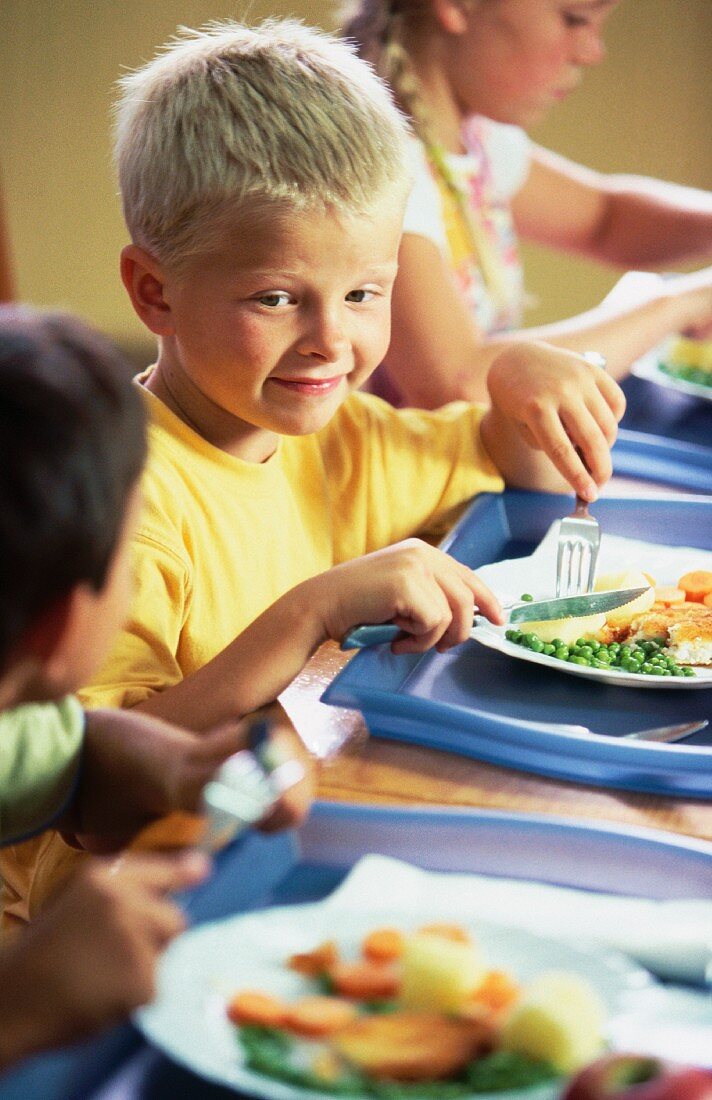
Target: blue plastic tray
<point x="481" y="703"/>
<point x="666" y="412"/>
<point x="260" y="871"/>
<point x="686" y="466"/>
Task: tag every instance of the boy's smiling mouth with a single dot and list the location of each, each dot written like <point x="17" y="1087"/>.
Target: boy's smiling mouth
<point x="310" y="386"/>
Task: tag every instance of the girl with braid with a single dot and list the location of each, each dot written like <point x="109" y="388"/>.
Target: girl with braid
<point x="473" y="75"/>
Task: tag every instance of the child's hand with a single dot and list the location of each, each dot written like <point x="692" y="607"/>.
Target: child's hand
<point x="137" y="768"/>
<point x="560" y="405"/>
<point x="90" y="958"/>
<point x="428" y="594"/>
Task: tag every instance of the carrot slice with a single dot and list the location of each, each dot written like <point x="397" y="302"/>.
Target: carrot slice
<point x="696" y="585"/>
<point x="453" y="932"/>
<point x="668" y="595"/>
<point x="383" y="945"/>
<point x="258" y="1009"/>
<point x="316" y="962"/>
<point x="497" y="991"/>
<point x="366" y="980"/>
<point x="317" y="1016"/>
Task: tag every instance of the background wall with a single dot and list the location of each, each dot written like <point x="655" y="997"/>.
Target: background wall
<point x="647" y="109"/>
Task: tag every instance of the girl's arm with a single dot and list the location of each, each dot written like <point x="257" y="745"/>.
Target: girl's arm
<point x="438" y="354"/>
<point x="626" y="221"/>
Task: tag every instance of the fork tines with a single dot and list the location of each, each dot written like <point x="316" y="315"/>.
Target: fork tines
<point x="577" y="554"/>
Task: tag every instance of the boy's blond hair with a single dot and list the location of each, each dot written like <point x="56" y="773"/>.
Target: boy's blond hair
<point x="235" y="119"/>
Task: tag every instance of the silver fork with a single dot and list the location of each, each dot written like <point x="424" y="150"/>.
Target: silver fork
<point x="577" y="551"/>
<point x="657" y="733"/>
<point x="579" y="533"/>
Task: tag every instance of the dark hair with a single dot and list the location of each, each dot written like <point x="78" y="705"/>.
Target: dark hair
<point x="72" y="444"/>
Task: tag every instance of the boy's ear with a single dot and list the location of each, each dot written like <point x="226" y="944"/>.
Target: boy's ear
<point x="452" y="15"/>
<point x="37" y="667"/>
<point x="45" y="642"/>
<point x="144" y="280"/>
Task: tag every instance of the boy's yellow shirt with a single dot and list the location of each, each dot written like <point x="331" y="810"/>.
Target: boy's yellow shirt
<point x="221" y="539"/>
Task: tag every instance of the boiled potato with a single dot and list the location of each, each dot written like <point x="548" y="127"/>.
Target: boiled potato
<point x="568" y="630"/>
<point x="438" y="974"/>
<point x="559" y="1019"/>
<point x="628" y="578"/>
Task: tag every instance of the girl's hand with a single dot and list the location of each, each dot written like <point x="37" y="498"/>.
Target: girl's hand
<point x="428" y="594"/>
<point x="561" y="405"/>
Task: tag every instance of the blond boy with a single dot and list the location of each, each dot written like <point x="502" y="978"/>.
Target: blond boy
<point x="263" y="176"/>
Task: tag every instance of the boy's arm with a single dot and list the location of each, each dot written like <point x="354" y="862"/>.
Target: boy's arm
<point x="423" y="590"/>
<point x="547" y="405"/>
<point x="136" y="768"/>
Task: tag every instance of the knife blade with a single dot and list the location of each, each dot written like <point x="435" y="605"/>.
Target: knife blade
<point x="574" y="607"/>
<point x="362" y="637"/>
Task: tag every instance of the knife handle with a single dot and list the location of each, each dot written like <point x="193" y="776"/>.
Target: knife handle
<point x="361" y="637"/>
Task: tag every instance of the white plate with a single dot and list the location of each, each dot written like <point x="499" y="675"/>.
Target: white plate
<point x="648" y="368"/>
<point x="203" y="968"/>
<point x="493" y="637"/>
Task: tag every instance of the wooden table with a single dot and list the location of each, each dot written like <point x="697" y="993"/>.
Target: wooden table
<point x="355" y="767"/>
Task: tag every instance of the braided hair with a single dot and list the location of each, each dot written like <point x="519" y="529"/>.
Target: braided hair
<point x="378" y="29"/>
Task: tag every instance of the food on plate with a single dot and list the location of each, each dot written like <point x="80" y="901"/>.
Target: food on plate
<point x="559" y="1019"/>
<point x="450" y="1023"/>
<point x="565" y="631"/>
<point x="688" y="359"/>
<point x="696" y="585"/>
<point x="648" y="658"/>
<point x="684" y="630"/>
<point x="413" y="1046"/>
<point x="638" y="1077"/>
<point x="611" y="582"/>
<point x="664" y="632"/>
<point x="439" y="973"/>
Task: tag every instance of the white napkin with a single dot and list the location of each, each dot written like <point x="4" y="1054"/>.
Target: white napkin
<point x="672" y="939"/>
<point x="536" y="574"/>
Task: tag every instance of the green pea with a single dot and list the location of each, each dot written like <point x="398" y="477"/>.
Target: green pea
<point x="526" y="597"/>
<point x="549" y="649"/>
<point x="536" y="645"/>
<point x="558" y="643"/>
<point x="562" y="652"/>
<point x="586" y="651"/>
<point x="578" y="661"/>
<point x="687" y="671"/>
<point x="647" y="668"/>
<point x="527" y="640"/>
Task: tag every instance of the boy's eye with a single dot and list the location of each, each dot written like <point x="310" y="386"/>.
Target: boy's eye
<point x="276" y="298"/>
<point x="361" y="295"/>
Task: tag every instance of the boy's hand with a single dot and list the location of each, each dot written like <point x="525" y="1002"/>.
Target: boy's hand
<point x="560" y="404"/>
<point x="137" y="768"/>
<point x="428" y="594"/>
<point x="89" y="959"/>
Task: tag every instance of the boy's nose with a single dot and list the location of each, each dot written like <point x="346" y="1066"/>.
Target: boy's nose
<point x="325" y="337"/>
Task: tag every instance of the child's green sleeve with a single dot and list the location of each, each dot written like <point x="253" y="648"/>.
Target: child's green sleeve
<point x="40" y="753"/>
